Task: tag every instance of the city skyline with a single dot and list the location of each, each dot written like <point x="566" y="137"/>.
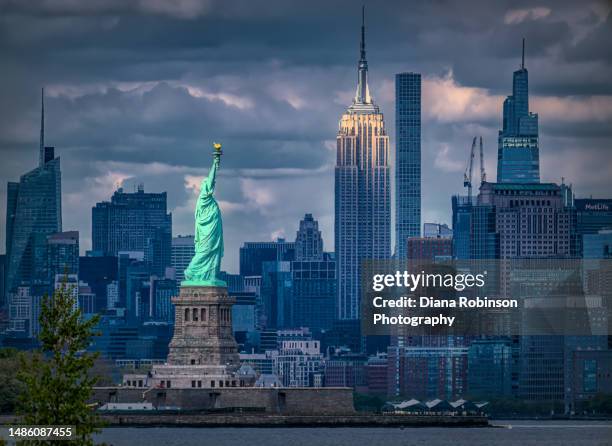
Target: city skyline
<point x="105" y="135"/>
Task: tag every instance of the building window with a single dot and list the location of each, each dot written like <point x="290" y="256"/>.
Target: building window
<point x="193" y="383"/>
<point x="589" y="376"/>
<point x="195" y="314"/>
<point x="203" y="314"/>
<point x="212" y="384"/>
<point x="169" y="384"/>
<point x="199" y="383"/>
<point x="186" y="314"/>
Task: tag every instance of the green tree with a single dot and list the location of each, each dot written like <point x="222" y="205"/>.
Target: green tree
<point x="56" y="382"/>
<point x="10" y="386"/>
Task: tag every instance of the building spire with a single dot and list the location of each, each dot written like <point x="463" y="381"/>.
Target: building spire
<point x="41" y="154"/>
<point x="363" y="93"/>
<point x="362" y="47"/>
<point x="523" y="58"/>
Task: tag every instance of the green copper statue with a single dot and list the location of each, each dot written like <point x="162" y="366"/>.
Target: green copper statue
<point x="203" y="270"/>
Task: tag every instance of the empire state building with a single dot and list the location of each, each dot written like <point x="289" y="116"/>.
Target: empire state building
<point x="362" y="191"/>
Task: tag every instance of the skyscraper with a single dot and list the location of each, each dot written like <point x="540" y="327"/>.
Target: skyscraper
<point x="313" y="276"/>
<point x="308" y="240"/>
<point x="407" y="159"/>
<point x="518" y="157"/>
<point x="136" y="221"/>
<point x="254" y="254"/>
<point x="62" y="255"/>
<point x="362" y="191"/>
<point x="34" y="210"/>
<point x="183" y="250"/>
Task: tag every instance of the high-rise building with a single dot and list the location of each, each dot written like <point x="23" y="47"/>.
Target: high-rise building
<point x="490" y="368"/>
<point x="592" y="216"/>
<point x="183" y="250"/>
<point x="362" y="191"/>
<point x="598" y="246"/>
<point x="313" y="275"/>
<point x="254" y="254"/>
<point x="136" y="221"/>
<point x="99" y="272"/>
<point x="2" y="280"/>
<point x="518" y="157"/>
<point x="462" y="221"/>
<point x="308" y="240"/>
<point x="63" y="254"/>
<point x="531" y="220"/>
<point x="427" y="372"/>
<point x="277" y="294"/>
<point x="34" y="210"/>
<point x="407" y="159"/>
<point x="429" y="248"/>
<point x="437" y="230"/>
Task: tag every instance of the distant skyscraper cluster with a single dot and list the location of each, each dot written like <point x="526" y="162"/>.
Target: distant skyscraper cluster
<point x="297" y="313"/>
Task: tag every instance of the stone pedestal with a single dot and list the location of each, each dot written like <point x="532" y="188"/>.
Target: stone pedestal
<point x="203" y="329"/>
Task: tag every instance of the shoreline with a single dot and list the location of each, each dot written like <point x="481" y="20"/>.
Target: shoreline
<point x="314" y="421"/>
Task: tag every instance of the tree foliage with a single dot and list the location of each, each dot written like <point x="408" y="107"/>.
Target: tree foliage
<point x="57" y="386"/>
<point x="10" y="386"/>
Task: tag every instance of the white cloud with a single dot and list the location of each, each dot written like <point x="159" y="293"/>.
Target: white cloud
<point x="229" y="99"/>
<point x="446" y="101"/>
<point x="444" y="162"/>
<point x="574" y="108"/>
<point x="516" y="16"/>
<point x="181" y="9"/>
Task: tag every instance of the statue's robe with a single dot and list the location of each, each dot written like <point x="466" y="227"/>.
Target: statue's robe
<point x="206" y="263"/>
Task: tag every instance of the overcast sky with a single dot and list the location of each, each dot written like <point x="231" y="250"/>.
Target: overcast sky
<point x="137" y="91"/>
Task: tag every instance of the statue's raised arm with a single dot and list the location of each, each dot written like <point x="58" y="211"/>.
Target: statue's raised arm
<point x="206" y="263"/>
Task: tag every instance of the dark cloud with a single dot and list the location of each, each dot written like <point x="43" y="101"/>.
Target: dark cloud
<point x="137" y="91"/>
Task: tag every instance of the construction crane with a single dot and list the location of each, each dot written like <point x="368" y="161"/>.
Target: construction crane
<point x="483" y="174"/>
<point x="467" y="176"/>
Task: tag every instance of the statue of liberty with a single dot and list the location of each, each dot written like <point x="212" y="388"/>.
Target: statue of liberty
<point x="203" y="270"/>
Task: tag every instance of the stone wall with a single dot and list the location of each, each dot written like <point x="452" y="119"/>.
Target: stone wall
<point x="285" y="401"/>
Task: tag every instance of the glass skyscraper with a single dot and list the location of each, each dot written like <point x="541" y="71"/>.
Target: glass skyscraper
<point x="34" y="210"/>
<point x="407" y="159"/>
<point x="518" y="158"/>
<point x="136" y="221"/>
<point x="313" y="278"/>
<point x="362" y="191"/>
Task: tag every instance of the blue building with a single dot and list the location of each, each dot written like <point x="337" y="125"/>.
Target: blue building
<point x="490" y="368"/>
<point x="98" y="271"/>
<point x="407" y="159"/>
<point x="62" y="255"/>
<point x="136" y="221"/>
<point x="362" y="195"/>
<point x="277" y="295"/>
<point x="518" y="157"/>
<point x="598" y="246"/>
<point x="254" y="254"/>
<point x="34" y="210"/>
<point x="462" y="222"/>
<point x="313" y="275"/>
<point x="592" y="216"/>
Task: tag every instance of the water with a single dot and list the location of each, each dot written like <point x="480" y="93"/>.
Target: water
<point x="522" y="433"/>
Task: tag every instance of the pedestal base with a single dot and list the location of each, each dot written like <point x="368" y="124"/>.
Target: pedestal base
<point x="203" y="329"/>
